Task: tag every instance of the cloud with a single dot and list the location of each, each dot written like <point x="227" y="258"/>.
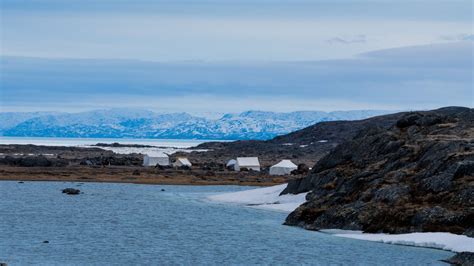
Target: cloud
<point x="238" y="30"/>
<point x="403" y="78"/>
<point x="356" y="39"/>
<point x="458" y="37"/>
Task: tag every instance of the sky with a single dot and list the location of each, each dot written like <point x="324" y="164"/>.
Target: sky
<point x="235" y="55"/>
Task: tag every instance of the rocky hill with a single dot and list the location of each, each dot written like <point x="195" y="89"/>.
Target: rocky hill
<point x="306" y="146"/>
<point x="403" y="173"/>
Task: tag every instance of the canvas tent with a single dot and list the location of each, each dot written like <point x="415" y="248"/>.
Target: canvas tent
<point x="231" y="164"/>
<point x="156" y="159"/>
<point x="283" y="168"/>
<point x="181" y="161"/>
<point x="250" y="163"/>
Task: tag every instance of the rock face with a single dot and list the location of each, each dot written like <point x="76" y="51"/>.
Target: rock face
<point x="417" y="175"/>
<point x="71" y="191"/>
<point x="463" y="259"/>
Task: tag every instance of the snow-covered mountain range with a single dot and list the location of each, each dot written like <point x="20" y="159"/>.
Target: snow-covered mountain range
<point x="133" y="123"/>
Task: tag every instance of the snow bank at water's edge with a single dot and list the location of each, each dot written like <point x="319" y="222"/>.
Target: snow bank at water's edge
<point x="263" y="198"/>
<point x="438" y="240"/>
<point x="269" y="198"/>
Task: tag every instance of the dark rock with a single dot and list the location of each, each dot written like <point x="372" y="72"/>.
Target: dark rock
<point x="462" y="258"/>
<point x="408" y="120"/>
<point x="87" y="162"/>
<point x="302" y="169"/>
<point x="159" y="167"/>
<point x="136" y="172"/>
<point x="413" y="176"/>
<point x="464" y="168"/>
<point x="71" y="191"/>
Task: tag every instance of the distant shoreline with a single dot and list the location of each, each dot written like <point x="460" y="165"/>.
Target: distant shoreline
<point x="134" y="175"/>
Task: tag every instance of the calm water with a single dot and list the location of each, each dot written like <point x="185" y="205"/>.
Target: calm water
<point x="139" y="224"/>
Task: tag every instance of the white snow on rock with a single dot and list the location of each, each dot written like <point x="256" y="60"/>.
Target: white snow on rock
<point x="438" y="240"/>
<point x="268" y="198"/>
<point x="263" y="198"/>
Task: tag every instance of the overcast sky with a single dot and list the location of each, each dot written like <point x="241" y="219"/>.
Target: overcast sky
<point x="235" y="55"/>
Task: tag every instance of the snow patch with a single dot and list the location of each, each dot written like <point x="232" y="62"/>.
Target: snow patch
<point x="263" y="198"/>
<point x="269" y="198"/>
<point x="438" y="240"/>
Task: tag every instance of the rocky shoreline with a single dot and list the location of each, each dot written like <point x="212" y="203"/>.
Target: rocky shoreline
<point x="416" y="176"/>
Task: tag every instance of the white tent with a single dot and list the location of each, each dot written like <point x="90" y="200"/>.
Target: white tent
<point x="283" y="168"/>
<point x="250" y="163"/>
<point x="181" y="161"/>
<point x="156" y="159"/>
<point x="231" y="163"/>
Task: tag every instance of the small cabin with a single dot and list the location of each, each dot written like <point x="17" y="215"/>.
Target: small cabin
<point x="231" y="164"/>
<point x="249" y="163"/>
<point x="181" y="161"/>
<point x="156" y="159"/>
<point x="284" y="167"/>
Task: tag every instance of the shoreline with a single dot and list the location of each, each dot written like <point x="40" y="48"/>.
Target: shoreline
<point x="269" y="199"/>
<point x="136" y="183"/>
<point x="136" y="175"/>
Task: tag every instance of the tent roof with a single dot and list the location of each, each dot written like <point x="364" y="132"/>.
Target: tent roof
<point x="286" y="164"/>
<point x="248" y="161"/>
<point x="184" y="161"/>
<point x="157" y="155"/>
<point x="231" y="162"/>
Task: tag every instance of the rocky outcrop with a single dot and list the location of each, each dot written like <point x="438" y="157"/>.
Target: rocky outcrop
<point x="306" y="146"/>
<point x="415" y="175"/>
<point x="32" y="161"/>
<point x="463" y="259"/>
<point x="71" y="191"/>
<point x="59" y="156"/>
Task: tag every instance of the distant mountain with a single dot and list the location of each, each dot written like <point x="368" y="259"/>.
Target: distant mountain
<point x="136" y="123"/>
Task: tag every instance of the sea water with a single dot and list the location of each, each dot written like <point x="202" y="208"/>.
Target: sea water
<point x="131" y="224"/>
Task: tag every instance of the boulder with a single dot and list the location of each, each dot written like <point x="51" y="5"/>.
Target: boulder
<point x="71" y="191"/>
<point x="462" y="258"/>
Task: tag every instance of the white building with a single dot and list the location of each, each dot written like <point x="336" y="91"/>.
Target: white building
<point x="156" y="159"/>
<point x="283" y="168"/>
<point x="181" y="161"/>
<point x="250" y="163"/>
<point x="231" y="164"/>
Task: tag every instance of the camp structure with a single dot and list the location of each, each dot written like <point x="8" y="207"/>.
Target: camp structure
<point x="231" y="164"/>
<point x="283" y="168"/>
<point x="156" y="159"/>
<point x="181" y="161"/>
<point x="249" y="163"/>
